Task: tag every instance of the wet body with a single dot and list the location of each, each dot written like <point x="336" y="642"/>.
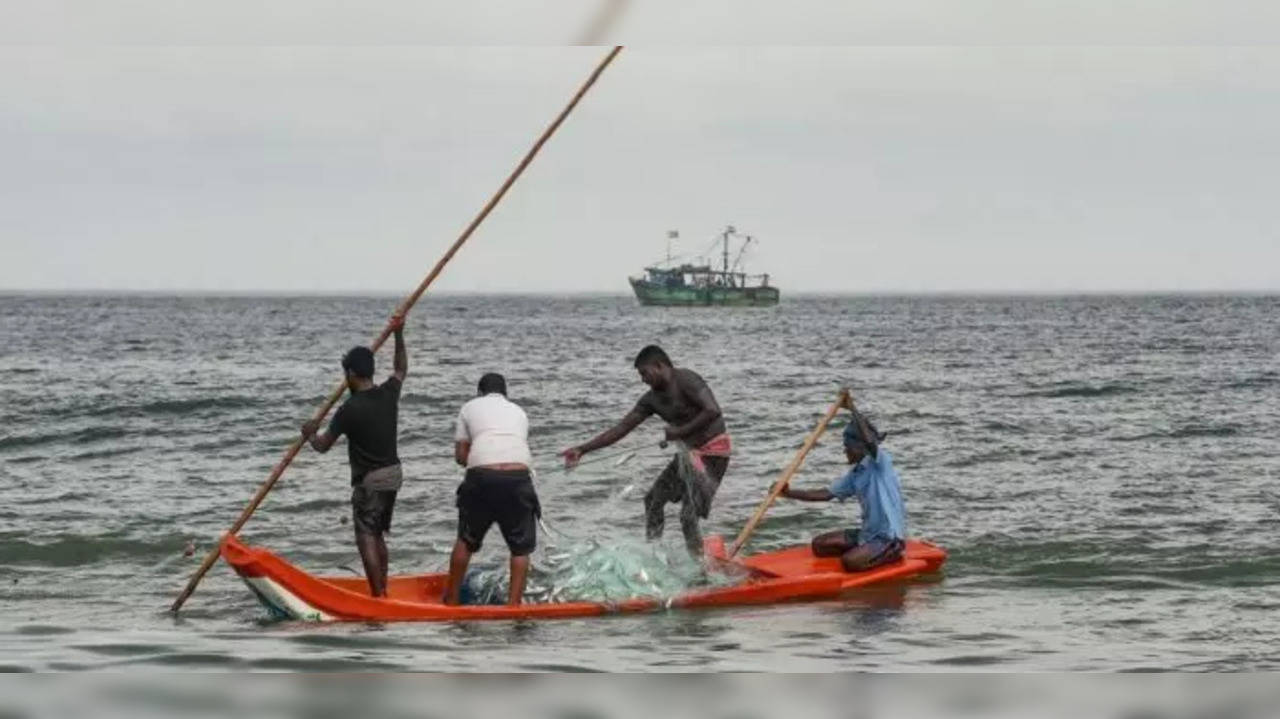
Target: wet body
<point x="684" y="401"/>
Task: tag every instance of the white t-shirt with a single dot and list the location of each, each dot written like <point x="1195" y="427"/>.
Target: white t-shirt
<point x="497" y="429"/>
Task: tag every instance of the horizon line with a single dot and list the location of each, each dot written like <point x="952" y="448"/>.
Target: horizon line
<point x="204" y="292"/>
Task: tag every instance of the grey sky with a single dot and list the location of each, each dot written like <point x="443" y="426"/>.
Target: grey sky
<point x="859" y="168"/>
<point x="699" y="22"/>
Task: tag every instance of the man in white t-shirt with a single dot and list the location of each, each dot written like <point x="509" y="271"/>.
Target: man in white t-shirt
<point x="492" y="442"/>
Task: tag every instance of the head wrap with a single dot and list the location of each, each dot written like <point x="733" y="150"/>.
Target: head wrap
<point x="855" y="437"/>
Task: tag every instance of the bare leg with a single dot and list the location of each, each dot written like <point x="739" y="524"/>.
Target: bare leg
<point x="689" y="526"/>
<point x="666" y="488"/>
<point x="519" y="571"/>
<point x="458" y="562"/>
<point x="384" y="561"/>
<point x="654" y="515"/>
<point x="375" y="567"/>
<point x="830" y="544"/>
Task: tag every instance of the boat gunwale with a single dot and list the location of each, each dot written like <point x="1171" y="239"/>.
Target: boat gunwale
<point x="332" y="600"/>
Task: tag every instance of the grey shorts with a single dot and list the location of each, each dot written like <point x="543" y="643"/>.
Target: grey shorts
<point x="371" y="509"/>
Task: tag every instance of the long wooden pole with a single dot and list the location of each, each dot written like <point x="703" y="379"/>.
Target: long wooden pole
<point x="403" y="309"/>
<point x="843" y="401"/>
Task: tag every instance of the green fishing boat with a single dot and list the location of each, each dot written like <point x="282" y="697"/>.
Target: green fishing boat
<point x="669" y="284"/>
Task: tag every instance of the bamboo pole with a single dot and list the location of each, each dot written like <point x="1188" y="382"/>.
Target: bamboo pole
<point x="403" y="309"/>
<point x="843" y="401"/>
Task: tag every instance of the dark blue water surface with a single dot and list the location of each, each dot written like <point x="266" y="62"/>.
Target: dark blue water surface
<point x="1101" y="470"/>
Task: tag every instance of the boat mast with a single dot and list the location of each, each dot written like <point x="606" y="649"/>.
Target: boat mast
<point x="727" y="230"/>
<point x="727" y="277"/>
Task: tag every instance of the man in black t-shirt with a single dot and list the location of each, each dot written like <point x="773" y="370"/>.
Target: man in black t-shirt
<point x="684" y="401"/>
<point x="368" y="419"/>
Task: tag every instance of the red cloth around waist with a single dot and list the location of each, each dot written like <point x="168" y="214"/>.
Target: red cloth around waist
<point x="718" y="446"/>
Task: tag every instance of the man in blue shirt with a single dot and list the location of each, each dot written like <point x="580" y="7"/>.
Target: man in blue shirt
<point x="872" y="479"/>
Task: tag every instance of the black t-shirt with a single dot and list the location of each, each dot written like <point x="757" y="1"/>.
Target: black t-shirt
<point x="682" y="400"/>
<point x="368" y="418"/>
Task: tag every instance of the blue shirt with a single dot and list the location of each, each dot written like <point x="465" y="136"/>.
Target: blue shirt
<point x="875" y="483"/>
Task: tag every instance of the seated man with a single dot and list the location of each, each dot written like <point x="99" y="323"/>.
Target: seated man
<point x="872" y="479"/>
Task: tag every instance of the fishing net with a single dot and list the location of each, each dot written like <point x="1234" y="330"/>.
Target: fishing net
<point x="589" y="570"/>
<point x="698" y="487"/>
<point x="594" y="571"/>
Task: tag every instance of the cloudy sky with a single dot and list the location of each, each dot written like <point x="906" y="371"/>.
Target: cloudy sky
<point x="1006" y="166"/>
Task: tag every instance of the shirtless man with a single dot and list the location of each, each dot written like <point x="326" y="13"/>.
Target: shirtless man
<point x="684" y="401"/>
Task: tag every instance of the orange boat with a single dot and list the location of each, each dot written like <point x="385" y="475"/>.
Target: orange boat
<point x="769" y="578"/>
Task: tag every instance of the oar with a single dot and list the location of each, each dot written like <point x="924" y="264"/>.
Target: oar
<point x="403" y="309"/>
<point x="843" y="401"/>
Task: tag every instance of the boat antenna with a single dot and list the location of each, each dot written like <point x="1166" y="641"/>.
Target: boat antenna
<point x="741" y="251"/>
<point x="671" y="235"/>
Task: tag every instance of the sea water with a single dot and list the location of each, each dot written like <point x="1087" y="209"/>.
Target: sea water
<point x="1103" y="471"/>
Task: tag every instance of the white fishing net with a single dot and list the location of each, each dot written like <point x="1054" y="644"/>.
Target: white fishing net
<point x="594" y="571"/>
<point x="575" y="569"/>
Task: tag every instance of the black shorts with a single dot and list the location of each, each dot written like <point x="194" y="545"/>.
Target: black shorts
<point x="503" y="496"/>
<point x="371" y="510"/>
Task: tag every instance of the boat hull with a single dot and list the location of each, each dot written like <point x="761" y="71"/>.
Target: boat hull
<point x="774" y="577"/>
<point x="657" y="295"/>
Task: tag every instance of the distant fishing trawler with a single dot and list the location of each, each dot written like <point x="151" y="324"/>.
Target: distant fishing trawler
<point x="701" y="285"/>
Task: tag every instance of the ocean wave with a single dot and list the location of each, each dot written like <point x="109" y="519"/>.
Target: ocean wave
<point x="1110" y="564"/>
<point x="186" y="406"/>
<point x="312" y="505"/>
<point x="63" y="498"/>
<point x="999" y="426"/>
<point x="1183" y="432"/>
<point x="1081" y="390"/>
<point x="1264" y="379"/>
<point x="104" y="453"/>
<point x="91" y="434"/>
<point x="80" y="550"/>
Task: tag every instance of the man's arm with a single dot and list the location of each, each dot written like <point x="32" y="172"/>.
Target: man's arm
<point x="605" y="438"/>
<point x="461" y="450"/>
<point x="319" y="441"/>
<point x="808" y="495"/>
<point x="400" y="367"/>
<point x="843" y="488"/>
